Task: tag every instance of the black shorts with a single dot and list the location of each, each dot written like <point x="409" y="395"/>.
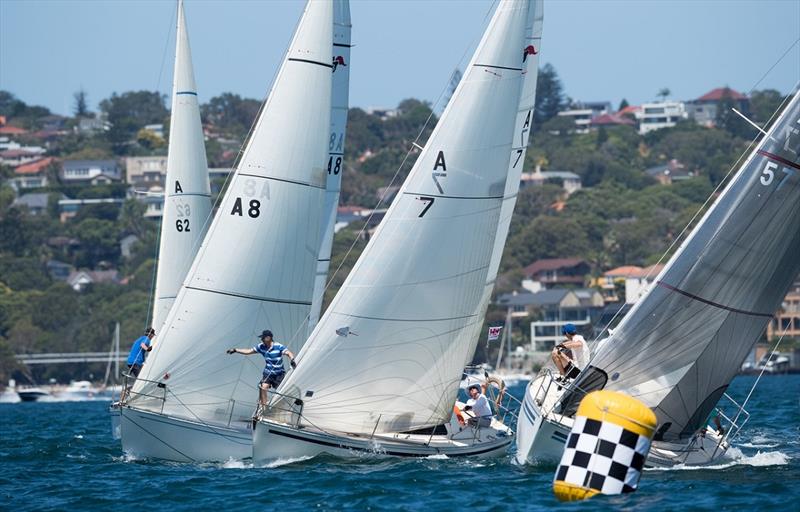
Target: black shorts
<point x="571" y="371"/>
<point x="134" y="369"/>
<point x="273" y="380"/>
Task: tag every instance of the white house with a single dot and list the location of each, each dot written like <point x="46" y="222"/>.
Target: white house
<point x="664" y="114"/>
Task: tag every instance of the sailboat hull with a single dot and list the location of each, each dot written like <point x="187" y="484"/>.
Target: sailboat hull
<point x="541" y="436"/>
<point x="147" y="434"/>
<point x="272" y="441"/>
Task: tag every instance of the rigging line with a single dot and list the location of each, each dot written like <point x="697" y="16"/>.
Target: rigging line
<point x="214" y="430"/>
<point x="773" y="66"/>
<point x="157" y="438"/>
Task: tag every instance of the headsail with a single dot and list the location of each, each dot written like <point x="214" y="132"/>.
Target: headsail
<point x="389" y="352"/>
<point x="187" y="196"/>
<point x="339" y="105"/>
<point x="683" y="343"/>
<point x="256" y="266"/>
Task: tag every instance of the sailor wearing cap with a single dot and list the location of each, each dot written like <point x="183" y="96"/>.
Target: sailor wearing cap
<point x="274" y="371"/>
<point x="570" y="356"/>
<point x="478" y="404"/>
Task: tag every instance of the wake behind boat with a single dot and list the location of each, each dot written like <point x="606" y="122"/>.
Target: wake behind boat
<point x="381" y="370"/>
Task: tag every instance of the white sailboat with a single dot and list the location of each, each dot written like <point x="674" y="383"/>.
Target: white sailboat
<point x="255" y="270"/>
<point x="339" y="107"/>
<point x="381" y="370"/>
<point x="681" y="345"/>
<point x="187" y="192"/>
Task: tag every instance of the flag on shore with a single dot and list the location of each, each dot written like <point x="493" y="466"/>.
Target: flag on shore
<point x="494" y="332"/>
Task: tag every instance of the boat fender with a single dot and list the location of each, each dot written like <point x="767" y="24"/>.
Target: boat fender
<point x="607" y="447"/>
<point x="499" y="384"/>
<point x="459" y="416"/>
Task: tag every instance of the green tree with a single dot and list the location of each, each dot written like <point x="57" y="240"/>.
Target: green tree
<point x="98" y="242"/>
<point x="549" y="95"/>
<point x="623" y="104"/>
<point x="131" y="111"/>
<point x="80" y="106"/>
<point x="664" y="93"/>
<point x="230" y="114"/>
<point x="763" y="104"/>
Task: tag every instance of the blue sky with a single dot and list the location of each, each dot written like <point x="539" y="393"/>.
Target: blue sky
<point x="602" y="50"/>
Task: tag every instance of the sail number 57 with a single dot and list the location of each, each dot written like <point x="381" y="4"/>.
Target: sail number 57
<point x="769" y="172"/>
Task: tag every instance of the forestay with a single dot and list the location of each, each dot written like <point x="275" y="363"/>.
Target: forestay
<point x="339" y="105"/>
<point x="388" y="353"/>
<point x="187" y="198"/>
<point x="255" y="269"/>
<point x="683" y="343"/>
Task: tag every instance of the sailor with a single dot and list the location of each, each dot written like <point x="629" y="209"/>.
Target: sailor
<point x="571" y="355"/>
<point x="274" y="371"/>
<point x="479" y="405"/>
<point x="139" y="351"/>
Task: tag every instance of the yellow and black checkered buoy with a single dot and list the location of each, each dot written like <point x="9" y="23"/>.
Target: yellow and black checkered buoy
<point x="607" y="448"/>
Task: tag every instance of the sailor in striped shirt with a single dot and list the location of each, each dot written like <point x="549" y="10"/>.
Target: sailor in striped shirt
<point x="274" y="371"/>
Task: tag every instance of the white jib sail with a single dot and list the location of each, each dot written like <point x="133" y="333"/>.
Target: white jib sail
<point x="388" y="353"/>
<point x="255" y="268"/>
<point x="187" y="197"/>
<point x="683" y="343"/>
<point x="339" y="105"/>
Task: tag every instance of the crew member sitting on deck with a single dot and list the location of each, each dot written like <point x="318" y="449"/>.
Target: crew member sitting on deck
<point x="570" y="356"/>
<point x="273" y="353"/>
<point x="478" y="404"/>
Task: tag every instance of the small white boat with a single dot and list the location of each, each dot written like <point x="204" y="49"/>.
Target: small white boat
<point x="83" y="391"/>
<point x="32" y="394"/>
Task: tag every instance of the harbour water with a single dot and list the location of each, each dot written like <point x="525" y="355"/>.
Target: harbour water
<point x="60" y="456"/>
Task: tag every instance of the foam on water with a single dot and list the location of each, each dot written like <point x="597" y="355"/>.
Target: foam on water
<point x="236" y="464"/>
<point x="735" y="457"/>
<point x="283" y="462"/>
<point x="438" y="456"/>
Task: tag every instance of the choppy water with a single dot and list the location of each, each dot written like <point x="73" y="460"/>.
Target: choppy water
<point x="60" y="456"/>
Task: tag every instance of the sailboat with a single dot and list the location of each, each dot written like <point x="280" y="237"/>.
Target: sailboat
<point x="381" y="371"/>
<point x="679" y="348"/>
<point x="340" y="103"/>
<point x="254" y="270"/>
<point x="187" y="193"/>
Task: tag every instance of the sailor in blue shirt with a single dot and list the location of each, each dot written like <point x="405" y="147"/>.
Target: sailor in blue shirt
<point x="139" y="351"/>
<point x="274" y="371"/>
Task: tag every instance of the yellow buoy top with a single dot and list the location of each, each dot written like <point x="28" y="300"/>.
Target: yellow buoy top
<point x="623" y="410"/>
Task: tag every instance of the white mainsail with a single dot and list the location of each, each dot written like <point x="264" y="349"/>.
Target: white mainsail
<point x="339" y="106"/>
<point x="255" y="269"/>
<point x="683" y="343"/>
<point x="187" y="196"/>
<point x="389" y="352"/>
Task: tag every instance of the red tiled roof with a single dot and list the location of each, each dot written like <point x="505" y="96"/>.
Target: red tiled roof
<point x="719" y="92"/>
<point x="34" y="167"/>
<point x="611" y="119"/>
<point x="11" y="130"/>
<point x="551" y="264"/>
<point x="625" y="271"/>
<point x="651" y="272"/>
<point x="630" y="109"/>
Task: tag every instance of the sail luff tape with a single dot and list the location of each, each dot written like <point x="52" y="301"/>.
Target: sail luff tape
<point x="607" y="447"/>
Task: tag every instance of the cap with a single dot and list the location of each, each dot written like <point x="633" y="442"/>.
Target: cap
<point x="476" y="387"/>
<point x="265" y="333"/>
<point x="569" y="329"/>
<point x="149" y="331"/>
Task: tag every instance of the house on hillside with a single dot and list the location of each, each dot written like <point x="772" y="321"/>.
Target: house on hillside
<point x="58" y="270"/>
<point x="670" y="172"/>
<point x="637" y="283"/>
<point x="786" y="321"/>
<point x="553" y="309"/>
<point x="12" y="130"/>
<point x="146" y="172"/>
<point x="612" y="119"/>
<point x="126" y="246"/>
<point x="612" y="283"/>
<point x="94" y="172"/>
<point x="660" y="114"/>
<point x="22" y="155"/>
<point x="705" y="108"/>
<point x="80" y="279"/>
<point x="550" y="273"/>
<point x="569" y="181"/>
<point x="35" y="203"/>
<point x="68" y="208"/>
<point x="31" y="175"/>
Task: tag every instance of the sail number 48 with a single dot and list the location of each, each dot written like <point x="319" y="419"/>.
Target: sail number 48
<point x="770" y="169"/>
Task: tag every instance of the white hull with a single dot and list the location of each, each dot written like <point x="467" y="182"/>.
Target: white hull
<point x="541" y="437"/>
<point x="272" y="440"/>
<point x="150" y="435"/>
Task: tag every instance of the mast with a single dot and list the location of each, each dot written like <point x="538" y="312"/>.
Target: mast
<point x="187" y="193"/>
<point x="409" y="315"/>
<point x="255" y="268"/>
<point x="682" y="344"/>
<point x="339" y="107"/>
